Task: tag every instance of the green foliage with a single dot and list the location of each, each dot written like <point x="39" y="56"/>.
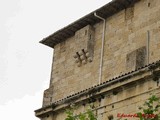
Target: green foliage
<point x="70" y="115"/>
<point x="91" y="115"/>
<point x="88" y="115"/>
<point x="150" y="109"/>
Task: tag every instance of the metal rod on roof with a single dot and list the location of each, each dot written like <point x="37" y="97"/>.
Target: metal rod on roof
<point x="102" y="48"/>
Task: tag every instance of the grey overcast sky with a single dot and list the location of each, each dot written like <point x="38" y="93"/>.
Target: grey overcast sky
<point x="25" y="64"/>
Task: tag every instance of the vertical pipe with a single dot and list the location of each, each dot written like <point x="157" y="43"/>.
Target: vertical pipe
<point x="147" y="46"/>
<point x="102" y="48"/>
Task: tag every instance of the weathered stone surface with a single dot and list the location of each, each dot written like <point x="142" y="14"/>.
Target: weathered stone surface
<point x="124" y="50"/>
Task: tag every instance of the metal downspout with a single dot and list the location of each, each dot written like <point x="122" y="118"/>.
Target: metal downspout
<point x="102" y="48"/>
<point x="147" y="45"/>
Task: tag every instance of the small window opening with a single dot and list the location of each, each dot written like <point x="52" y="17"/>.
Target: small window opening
<point x="85" y="32"/>
<point x="112" y="106"/>
<point x="149" y="4"/>
<point x="90" y="36"/>
<point x="110" y="117"/>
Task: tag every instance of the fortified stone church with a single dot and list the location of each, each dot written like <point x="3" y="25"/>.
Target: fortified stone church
<point x="109" y="58"/>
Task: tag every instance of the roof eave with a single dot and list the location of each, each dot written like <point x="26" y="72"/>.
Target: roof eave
<point x="105" y="11"/>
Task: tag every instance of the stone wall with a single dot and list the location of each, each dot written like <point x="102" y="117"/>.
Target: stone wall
<point x="125" y="49"/>
<point x="124" y="34"/>
<point x="126" y="100"/>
